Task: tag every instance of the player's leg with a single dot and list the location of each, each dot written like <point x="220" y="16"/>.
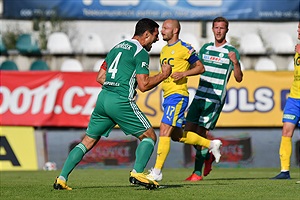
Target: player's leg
<point x="133" y="122"/>
<point x="199" y="160"/>
<point x="200" y="154"/>
<point x="209" y="159"/>
<point x="285" y="150"/>
<point x="143" y="154"/>
<point x="172" y="120"/>
<point x="212" y="112"/>
<point x="191" y="137"/>
<point x="74" y="157"/>
<point x="290" y="119"/>
<point x="99" y="125"/>
<point x="163" y="149"/>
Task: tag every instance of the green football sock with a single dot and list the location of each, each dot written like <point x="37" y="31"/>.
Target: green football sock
<point x="143" y="153"/>
<point x="199" y="161"/>
<point x="73" y="159"/>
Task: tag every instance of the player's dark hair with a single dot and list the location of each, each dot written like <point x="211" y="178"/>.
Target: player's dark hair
<point x="220" y="19"/>
<point x="145" y="24"/>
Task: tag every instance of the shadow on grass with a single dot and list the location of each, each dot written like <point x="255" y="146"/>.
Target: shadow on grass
<point x="170" y="186"/>
<point x="236" y="179"/>
<point x="127" y="186"/>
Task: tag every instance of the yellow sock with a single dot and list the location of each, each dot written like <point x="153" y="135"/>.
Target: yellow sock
<point x="195" y="139"/>
<point x="285" y="152"/>
<point x="163" y="150"/>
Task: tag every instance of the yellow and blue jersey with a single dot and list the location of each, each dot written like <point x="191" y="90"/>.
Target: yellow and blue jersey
<point x="180" y="56"/>
<point x="295" y="89"/>
<point x="291" y="110"/>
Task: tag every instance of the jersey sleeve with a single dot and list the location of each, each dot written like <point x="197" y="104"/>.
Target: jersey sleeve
<point x="142" y="63"/>
<point x="104" y="65"/>
<point x="193" y="58"/>
<point x="191" y="53"/>
<point x="201" y="52"/>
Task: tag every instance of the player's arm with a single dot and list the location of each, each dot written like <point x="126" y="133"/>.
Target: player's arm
<point x="101" y="74"/>
<point x="238" y="74"/>
<point x="146" y="82"/>
<point x="195" y="69"/>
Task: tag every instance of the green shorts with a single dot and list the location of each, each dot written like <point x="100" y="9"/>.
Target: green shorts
<point x="112" y="109"/>
<point x="204" y="113"/>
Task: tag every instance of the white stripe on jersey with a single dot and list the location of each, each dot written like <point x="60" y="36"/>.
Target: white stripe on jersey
<point x="210" y="90"/>
<point x="215" y="69"/>
<point x="220" y="49"/>
<point x="207" y="99"/>
<point x="212" y="80"/>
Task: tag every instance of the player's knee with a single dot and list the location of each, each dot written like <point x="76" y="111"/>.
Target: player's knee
<point x="150" y="133"/>
<point x="89" y="142"/>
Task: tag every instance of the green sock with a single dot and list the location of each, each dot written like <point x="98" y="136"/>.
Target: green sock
<point x="199" y="161"/>
<point x="143" y="154"/>
<point x="73" y="159"/>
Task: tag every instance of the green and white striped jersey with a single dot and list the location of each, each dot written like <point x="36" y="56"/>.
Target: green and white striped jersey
<point x="124" y="61"/>
<point x="218" y="68"/>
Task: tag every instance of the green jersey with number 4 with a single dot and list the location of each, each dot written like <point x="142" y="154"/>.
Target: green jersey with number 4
<point x="124" y="61"/>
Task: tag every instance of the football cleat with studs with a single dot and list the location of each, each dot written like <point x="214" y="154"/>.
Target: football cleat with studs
<point x="143" y="180"/>
<point x="60" y="185"/>
<point x="194" y="177"/>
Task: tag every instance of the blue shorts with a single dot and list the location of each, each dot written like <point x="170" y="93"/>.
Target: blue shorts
<point x="174" y="107"/>
<point x="291" y="112"/>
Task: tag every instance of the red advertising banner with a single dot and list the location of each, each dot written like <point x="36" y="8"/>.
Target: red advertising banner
<point x="66" y="99"/>
<point x="47" y="98"/>
<point x="110" y="152"/>
<point x="235" y="149"/>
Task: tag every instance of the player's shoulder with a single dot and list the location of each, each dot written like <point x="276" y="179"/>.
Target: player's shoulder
<point x="207" y="46"/>
<point x="186" y="45"/>
<point x="136" y="47"/>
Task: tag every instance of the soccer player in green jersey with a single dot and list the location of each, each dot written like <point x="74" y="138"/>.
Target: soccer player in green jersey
<point x="219" y="59"/>
<point x="127" y="67"/>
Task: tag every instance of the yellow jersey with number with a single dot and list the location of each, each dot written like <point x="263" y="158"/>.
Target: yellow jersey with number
<point x="295" y="89"/>
<point x="180" y="56"/>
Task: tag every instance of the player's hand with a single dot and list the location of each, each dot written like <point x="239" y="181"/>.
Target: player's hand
<point x="297" y="48"/>
<point x="166" y="70"/>
<point x="177" y="76"/>
<point x="232" y="57"/>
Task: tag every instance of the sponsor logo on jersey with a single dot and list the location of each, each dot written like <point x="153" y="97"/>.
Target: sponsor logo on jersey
<point x="288" y="116"/>
<point x="216" y="59"/>
<point x="297" y="60"/>
<point x="124" y="45"/>
<point x="144" y="64"/>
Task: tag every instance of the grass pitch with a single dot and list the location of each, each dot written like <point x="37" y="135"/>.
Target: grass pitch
<point x="108" y="184"/>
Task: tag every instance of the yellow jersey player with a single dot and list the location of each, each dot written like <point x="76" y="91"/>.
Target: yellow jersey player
<point x="291" y="116"/>
<point x="183" y="58"/>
